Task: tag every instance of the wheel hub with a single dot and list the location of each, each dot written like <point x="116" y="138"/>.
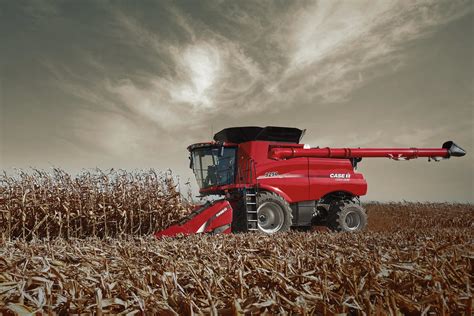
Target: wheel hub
<point x="353" y="220"/>
<point x="270" y="217"/>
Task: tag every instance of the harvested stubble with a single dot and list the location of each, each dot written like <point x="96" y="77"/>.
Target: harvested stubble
<point x="414" y="259"/>
<point x="40" y="204"/>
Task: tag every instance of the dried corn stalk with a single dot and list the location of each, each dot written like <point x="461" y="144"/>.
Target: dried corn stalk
<point x="93" y="204"/>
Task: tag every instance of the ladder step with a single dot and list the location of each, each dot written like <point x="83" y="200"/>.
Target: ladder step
<point x="251" y="209"/>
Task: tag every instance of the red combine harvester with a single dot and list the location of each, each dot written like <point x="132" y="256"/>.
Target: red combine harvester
<point x="271" y="183"/>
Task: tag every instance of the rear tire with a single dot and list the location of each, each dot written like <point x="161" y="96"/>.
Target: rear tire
<point x="347" y="216"/>
<point x="273" y="213"/>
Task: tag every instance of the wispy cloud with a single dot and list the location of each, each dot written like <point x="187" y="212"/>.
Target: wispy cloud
<point x="318" y="53"/>
<point x="336" y="44"/>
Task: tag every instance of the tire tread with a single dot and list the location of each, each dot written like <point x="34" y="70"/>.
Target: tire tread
<point x="270" y="196"/>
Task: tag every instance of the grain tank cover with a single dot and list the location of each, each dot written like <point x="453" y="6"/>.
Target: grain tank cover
<point x="239" y="135"/>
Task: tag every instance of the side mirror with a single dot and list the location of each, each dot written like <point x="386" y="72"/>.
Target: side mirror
<point x="221" y="153"/>
<point x="191" y="162"/>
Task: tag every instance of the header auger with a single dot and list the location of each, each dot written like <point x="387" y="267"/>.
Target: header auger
<point x="271" y="183"/>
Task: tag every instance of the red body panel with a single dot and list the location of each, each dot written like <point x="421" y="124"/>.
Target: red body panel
<point x="328" y="175"/>
<point x="297" y="179"/>
<point x="213" y="218"/>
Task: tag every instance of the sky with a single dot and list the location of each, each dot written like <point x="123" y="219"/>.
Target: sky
<point x="129" y="84"/>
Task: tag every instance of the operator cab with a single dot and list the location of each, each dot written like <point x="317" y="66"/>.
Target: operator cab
<point x="213" y="164"/>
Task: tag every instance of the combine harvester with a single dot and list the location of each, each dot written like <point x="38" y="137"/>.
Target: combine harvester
<point x="271" y="183"/>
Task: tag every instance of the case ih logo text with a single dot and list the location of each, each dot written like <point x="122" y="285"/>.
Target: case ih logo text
<point x="340" y="175"/>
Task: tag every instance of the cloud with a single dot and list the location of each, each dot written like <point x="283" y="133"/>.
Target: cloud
<point x="318" y="53"/>
<point x="336" y="44"/>
<point x="202" y="64"/>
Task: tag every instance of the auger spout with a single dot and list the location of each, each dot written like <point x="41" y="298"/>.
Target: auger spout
<point x="453" y="149"/>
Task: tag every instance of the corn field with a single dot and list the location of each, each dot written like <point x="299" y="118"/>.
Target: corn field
<point x="414" y="258"/>
<point x="39" y="204"/>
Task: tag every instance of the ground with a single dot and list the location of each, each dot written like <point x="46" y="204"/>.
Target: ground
<point x="413" y="258"/>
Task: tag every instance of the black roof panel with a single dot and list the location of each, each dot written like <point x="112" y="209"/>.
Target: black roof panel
<point x="270" y="133"/>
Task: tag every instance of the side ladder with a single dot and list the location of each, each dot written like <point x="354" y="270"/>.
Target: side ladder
<point x="250" y="200"/>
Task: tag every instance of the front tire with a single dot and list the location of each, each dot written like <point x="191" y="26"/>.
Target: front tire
<point x="273" y="213"/>
<point x="347" y="217"/>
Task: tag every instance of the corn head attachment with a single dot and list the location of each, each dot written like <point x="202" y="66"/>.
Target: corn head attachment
<point x="212" y="218"/>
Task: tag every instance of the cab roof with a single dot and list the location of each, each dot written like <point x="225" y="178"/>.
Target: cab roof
<point x="239" y="135"/>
